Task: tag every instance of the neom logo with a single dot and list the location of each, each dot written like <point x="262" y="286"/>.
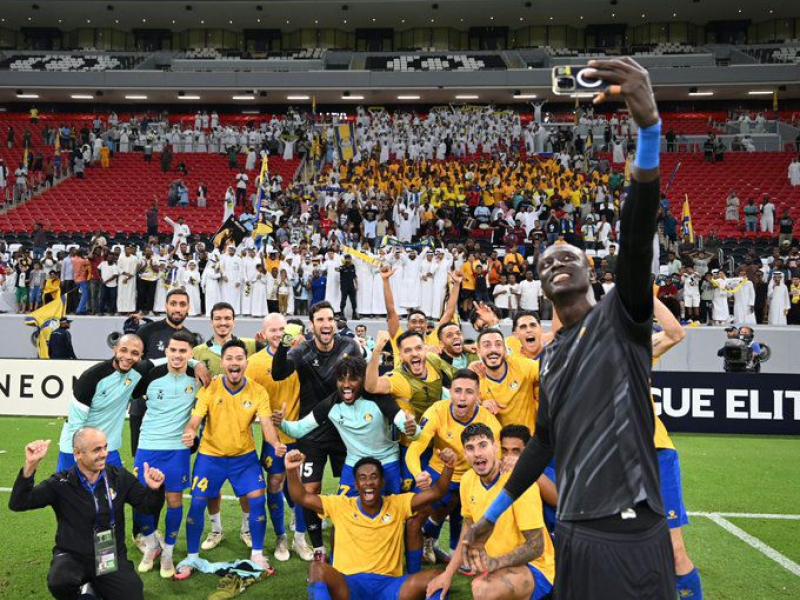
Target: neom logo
<point x="27" y="386"/>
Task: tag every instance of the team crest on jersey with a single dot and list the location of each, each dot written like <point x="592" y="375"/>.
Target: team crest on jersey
<point x="190" y="389"/>
<point x="513" y="385"/>
<point x="367" y="417"/>
<point x="450" y="435"/>
<point x="387" y="518"/>
<point x="247" y="404"/>
<point x="315" y="362"/>
<point x="128" y="381"/>
<point x="112" y="493"/>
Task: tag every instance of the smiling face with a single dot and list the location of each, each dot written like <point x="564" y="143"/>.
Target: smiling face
<point x="128" y="352"/>
<point x="222" y="322"/>
<point x="234" y="364"/>
<point x="417" y="322"/>
<point x="412" y="353"/>
<point x="481" y="454"/>
<point x="178" y="354"/>
<point x="177" y="308"/>
<point x="92" y="451"/>
<point x="452" y="340"/>
<point x="564" y="272"/>
<point x="369" y="483"/>
<point x="323" y="326"/>
<point x="492" y="350"/>
<point x="349" y="387"/>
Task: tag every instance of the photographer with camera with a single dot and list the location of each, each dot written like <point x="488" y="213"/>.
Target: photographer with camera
<point x="740" y="353"/>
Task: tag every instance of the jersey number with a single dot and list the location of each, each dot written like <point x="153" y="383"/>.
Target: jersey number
<point x="343" y="489"/>
<point x="201" y="485"/>
<point x="308" y="469"/>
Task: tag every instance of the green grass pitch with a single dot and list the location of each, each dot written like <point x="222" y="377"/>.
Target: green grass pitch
<point x="727" y="474"/>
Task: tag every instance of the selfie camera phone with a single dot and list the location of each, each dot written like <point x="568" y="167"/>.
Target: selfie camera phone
<point x="576" y="81"/>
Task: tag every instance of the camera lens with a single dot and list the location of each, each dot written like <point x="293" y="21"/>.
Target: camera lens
<point x="566" y="83"/>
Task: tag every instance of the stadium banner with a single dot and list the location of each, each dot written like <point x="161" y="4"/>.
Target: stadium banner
<point x="34" y="387"/>
<point x="757" y="403"/>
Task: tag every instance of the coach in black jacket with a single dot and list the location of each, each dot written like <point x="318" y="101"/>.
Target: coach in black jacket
<point x="79" y="513"/>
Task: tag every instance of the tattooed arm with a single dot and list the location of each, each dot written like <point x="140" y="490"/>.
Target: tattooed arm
<point x="531" y="548"/>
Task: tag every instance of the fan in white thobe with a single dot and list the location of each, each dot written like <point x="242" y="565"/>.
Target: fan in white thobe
<point x="778" y="298"/>
<point x="231" y="281"/>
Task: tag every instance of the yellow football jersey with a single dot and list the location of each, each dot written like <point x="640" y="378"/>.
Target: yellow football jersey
<point x="229" y="417"/>
<point x="431" y="340"/>
<point x="661" y="437"/>
<point x="259" y="369"/>
<point x="514" y="345"/>
<point x="366" y="544"/>
<point x="439" y="424"/>
<point x="518" y="391"/>
<point x="524" y="515"/>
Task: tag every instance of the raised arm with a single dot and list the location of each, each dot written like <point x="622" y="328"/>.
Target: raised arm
<point x="438" y="489"/>
<point x="25" y="495"/>
<point x="631" y="82"/>
<point x="373" y="382"/>
<point x="282" y="366"/>
<point x="392" y="318"/>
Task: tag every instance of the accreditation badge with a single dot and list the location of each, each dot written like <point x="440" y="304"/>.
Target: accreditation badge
<point x="105" y="552"/>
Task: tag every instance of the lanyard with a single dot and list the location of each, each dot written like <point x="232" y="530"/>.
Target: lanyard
<point x="90" y="489"/>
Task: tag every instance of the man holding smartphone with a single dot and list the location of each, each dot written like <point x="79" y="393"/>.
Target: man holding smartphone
<point x="595" y="415"/>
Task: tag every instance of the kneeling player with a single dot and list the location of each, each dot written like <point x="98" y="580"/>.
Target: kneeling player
<point x="368" y="562"/>
<point x="518" y="559"/>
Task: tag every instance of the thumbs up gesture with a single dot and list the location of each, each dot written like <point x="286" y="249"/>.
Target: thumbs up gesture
<point x="277" y="416"/>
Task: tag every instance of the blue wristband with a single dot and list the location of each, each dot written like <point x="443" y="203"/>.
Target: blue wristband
<point x="498" y="507"/>
<point x="648" y="146"/>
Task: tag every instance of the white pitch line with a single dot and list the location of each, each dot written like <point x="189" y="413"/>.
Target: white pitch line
<point x="738" y="515"/>
<point x="756" y="543"/>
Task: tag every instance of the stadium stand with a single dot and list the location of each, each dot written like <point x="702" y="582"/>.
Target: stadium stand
<point x="68" y="62"/>
<point x="435" y="62"/>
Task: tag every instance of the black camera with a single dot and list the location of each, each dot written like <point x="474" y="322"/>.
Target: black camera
<point x="737" y="355"/>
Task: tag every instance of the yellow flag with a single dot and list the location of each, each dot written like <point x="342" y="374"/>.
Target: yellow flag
<point x="45" y="319"/>
<point x="360" y="255"/>
<point x="686" y="219"/>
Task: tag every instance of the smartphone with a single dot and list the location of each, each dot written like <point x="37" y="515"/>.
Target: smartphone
<point x="574" y="80"/>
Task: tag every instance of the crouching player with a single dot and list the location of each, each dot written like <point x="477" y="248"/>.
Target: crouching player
<point x="364" y="425"/>
<point x="227" y="450"/>
<point x="368" y="562"/>
<point x="517" y="561"/>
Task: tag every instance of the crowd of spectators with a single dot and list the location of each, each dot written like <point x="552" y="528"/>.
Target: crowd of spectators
<point x="475" y="191"/>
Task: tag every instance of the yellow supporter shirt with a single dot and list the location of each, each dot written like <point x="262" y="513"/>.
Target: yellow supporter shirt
<point x="259" y="369"/>
<point x="229" y="417"/>
<point x="366" y="544"/>
<point x="468" y="282"/>
<point x="514" y="345"/>
<point x="525" y="515"/>
<point x="518" y="390"/>
<point x="439" y="424"/>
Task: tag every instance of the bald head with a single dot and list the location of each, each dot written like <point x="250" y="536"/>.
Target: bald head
<point x="128" y="351"/>
<point x="85" y="437"/>
<point x="273" y="326"/>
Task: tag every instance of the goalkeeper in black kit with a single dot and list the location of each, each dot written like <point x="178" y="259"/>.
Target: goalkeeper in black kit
<point x="595" y="415"/>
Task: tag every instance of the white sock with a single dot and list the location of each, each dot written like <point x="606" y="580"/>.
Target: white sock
<point x="256" y="554"/>
<point x="194" y="555"/>
<point x="150" y="541"/>
<point x="216" y="522"/>
<point x="245" y="522"/>
<point x="167" y="551"/>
